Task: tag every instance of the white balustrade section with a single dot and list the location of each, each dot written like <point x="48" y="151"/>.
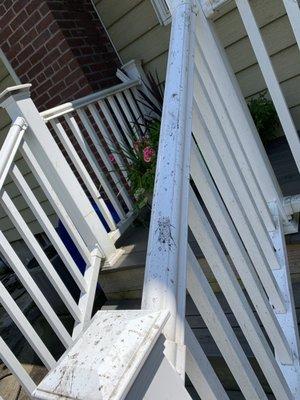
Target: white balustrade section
<point x="270" y="78"/>
<point x="231" y="219"/>
<point x="44" y="160"/>
<point x="111" y="120"/>
<point x="81" y="313"/>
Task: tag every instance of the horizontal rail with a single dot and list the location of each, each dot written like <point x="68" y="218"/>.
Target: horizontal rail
<point x="86" y="100"/>
<point x="10" y="147"/>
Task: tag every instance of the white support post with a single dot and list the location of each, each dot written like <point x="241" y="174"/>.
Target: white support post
<point x="165" y="274"/>
<point x="287" y="321"/>
<point x="17" y="102"/>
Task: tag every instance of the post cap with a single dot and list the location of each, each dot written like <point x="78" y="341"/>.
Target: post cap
<point x="106" y="359"/>
<point x="13" y="90"/>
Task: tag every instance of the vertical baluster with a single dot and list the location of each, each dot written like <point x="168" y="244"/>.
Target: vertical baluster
<point x="270" y="78"/>
<point x="120" y="118"/>
<point x="84" y="174"/>
<point x="293" y="12"/>
<point x="98" y="145"/>
<point x="8" y="357"/>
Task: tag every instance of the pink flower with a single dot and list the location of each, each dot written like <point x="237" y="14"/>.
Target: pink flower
<point x="112" y="158"/>
<point x="148" y="154"/>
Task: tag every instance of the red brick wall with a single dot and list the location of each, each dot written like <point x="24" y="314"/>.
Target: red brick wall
<point x="59" y="46"/>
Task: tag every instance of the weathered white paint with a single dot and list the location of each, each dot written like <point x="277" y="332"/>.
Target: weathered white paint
<point x="106" y="359"/>
<point x="239" y="304"/>
<point x="221" y="331"/>
<point x="165" y="273"/>
<point x="200" y="371"/>
<point x="237" y="108"/>
<point x="8" y="357"/>
<point x="287" y="321"/>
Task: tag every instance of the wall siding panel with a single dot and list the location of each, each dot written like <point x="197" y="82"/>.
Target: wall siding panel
<point x="136" y="33"/>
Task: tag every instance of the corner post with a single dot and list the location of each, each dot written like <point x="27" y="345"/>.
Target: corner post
<point x="165" y="274"/>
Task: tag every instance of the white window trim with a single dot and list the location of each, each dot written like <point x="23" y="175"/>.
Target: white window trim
<point x="162" y="11"/>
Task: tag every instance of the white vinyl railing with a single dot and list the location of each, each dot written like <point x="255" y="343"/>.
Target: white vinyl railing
<point x="42" y="161"/>
<point x="234" y="192"/>
<point x="16" y="141"/>
<point x="264" y="61"/>
<point x="102" y="126"/>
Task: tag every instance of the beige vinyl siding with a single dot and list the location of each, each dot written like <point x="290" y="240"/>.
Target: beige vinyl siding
<point x="6" y="226"/>
<point x="136" y="33"/>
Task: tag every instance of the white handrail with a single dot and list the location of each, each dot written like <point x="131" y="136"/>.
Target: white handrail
<point x="165" y="274"/>
<point x="86" y="100"/>
<point x="10" y="147"/>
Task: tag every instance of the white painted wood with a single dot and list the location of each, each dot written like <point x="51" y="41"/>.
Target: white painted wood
<point x="220" y="175"/>
<point x="18" y="103"/>
<point x="238" y="255"/>
<point x="218" y="104"/>
<point x="25" y="327"/>
<point x="117" y="179"/>
<point x="34" y="291"/>
<point x="59" y="209"/>
<point x="121" y="120"/>
<point x="106" y="359"/>
<point x="88" y="152"/>
<point x="237" y="301"/>
<point x="132" y="101"/>
<point x="117" y="133"/>
<point x="293" y="12"/>
<point x="130" y="116"/>
<point x="221" y="331"/>
<point x="270" y="78"/>
<point x="215" y="134"/>
<point x="39" y="254"/>
<point x="200" y="371"/>
<point x="7" y="356"/>
<point x="237" y="108"/>
<point x="44" y="222"/>
<point x="86" y="100"/>
<point x="111" y="146"/>
<point x="165" y="272"/>
<point x="85" y="176"/>
<point x="287" y="321"/>
<point x="81" y="169"/>
<point x="10" y="147"/>
<point x="134" y="70"/>
<point x="86" y="300"/>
